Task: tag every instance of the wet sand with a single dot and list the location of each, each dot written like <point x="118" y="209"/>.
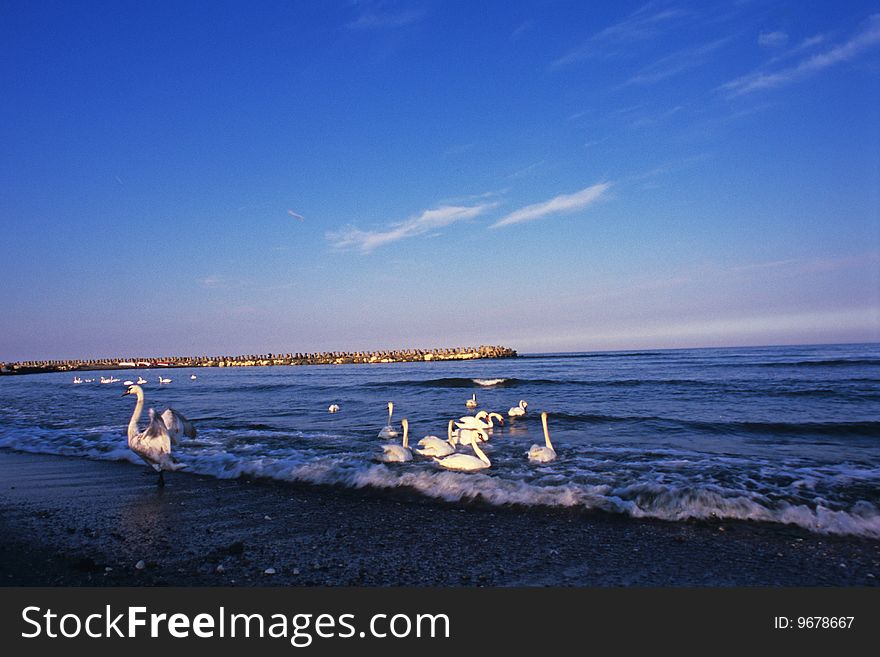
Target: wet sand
<point x="71" y="521"/>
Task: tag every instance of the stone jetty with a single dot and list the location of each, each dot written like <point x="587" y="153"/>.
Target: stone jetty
<point x="261" y="360"/>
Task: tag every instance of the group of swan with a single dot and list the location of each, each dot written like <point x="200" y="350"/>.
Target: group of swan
<point x="153" y="444"/>
<point x="471" y="431"/>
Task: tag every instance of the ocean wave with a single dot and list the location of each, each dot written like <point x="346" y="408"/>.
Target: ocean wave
<point x="867" y="428"/>
<point x="639" y="498"/>
<point x="832" y="362"/>
<point x="451" y="382"/>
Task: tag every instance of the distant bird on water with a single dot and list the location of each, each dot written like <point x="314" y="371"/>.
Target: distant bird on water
<point x="333" y="408"/>
<point x="389" y="431"/>
<point x="543" y="453"/>
<point x="519" y="411"/>
<point x="472" y="402"/>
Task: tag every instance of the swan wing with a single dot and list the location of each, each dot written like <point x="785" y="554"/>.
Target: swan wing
<point x="178" y="420"/>
<point x="156" y="435"/>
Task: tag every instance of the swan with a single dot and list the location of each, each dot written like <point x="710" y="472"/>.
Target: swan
<point x="434" y="446"/>
<point x="128" y="382"/>
<point x="333" y="408"/>
<point x="153" y="444"/>
<point x="77" y="380"/>
<point x="395" y="453"/>
<point x="519" y="411"/>
<point x="470" y="435"/>
<point x="388" y="431"/>
<point x="466" y="462"/>
<point x="545" y="453"/>
<point x="177" y="425"/>
<point x="141" y="381"/>
<point x="482" y="420"/>
<point x="192" y="377"/>
<point x="161" y="380"/>
<point x="472" y="402"/>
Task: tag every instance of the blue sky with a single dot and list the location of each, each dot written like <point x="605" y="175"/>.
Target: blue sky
<point x="208" y="177"/>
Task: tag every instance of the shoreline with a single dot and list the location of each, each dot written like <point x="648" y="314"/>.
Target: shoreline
<point x="261" y="360"/>
<point x="72" y="521"/>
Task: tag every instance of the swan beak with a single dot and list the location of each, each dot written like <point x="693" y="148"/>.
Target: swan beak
<point x="125" y="393"/>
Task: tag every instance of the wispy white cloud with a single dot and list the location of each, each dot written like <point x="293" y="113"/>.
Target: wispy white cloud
<point x="429" y="220"/>
<point x="643" y="24"/>
<point x="775" y="39"/>
<point x="526" y="170"/>
<point x="654" y="119"/>
<point x="211" y="281"/>
<point x="521" y="29"/>
<point x="376" y="16"/>
<point x="867" y="38"/>
<point x="677" y="62"/>
<point x="557" y="205"/>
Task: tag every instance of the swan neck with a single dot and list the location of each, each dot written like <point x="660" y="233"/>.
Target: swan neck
<point x="136" y="415"/>
<point x="546" y="432"/>
<point x="480" y="454"/>
<point x="449" y="434"/>
<point x="405" y="435"/>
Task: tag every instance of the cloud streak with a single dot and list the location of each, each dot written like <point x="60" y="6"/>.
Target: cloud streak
<point x="385" y="20"/>
<point x="563" y="203"/>
<point x="641" y="25"/>
<point x="429" y="220"/>
<point x="677" y="62"/>
<point x="864" y="40"/>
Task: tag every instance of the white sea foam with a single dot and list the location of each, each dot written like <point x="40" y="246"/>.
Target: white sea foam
<point x="648" y="495"/>
<point x="488" y="382"/>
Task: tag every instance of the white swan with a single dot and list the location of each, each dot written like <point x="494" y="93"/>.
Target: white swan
<point x="161" y="380"/>
<point x="482" y="420"/>
<point x="128" y="382"/>
<point x="141" y="381"/>
<point x="389" y="431"/>
<point x="472" y="402"/>
<point x="77" y="380"/>
<point x="192" y="377"/>
<point x="469" y="436"/>
<point x="333" y="408"/>
<point x="153" y="444"/>
<point x="466" y="462"/>
<point x="543" y="453"/>
<point x="519" y="411"/>
<point x="395" y="453"/>
<point x="434" y="446"/>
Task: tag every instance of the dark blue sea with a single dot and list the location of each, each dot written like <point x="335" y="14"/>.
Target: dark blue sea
<point x="777" y="434"/>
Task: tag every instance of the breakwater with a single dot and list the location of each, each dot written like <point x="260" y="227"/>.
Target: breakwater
<point x="262" y="360"/>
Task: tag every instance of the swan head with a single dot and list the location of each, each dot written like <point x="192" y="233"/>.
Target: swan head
<point x="497" y="417"/>
<point x="132" y="390"/>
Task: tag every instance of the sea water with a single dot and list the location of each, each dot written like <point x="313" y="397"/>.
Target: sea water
<point x="777" y="434"/>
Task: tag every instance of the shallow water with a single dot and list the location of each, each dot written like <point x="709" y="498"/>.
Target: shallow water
<point x="781" y="434"/>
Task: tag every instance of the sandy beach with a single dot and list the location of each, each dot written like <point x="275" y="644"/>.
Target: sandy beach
<point x="72" y="521"/>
